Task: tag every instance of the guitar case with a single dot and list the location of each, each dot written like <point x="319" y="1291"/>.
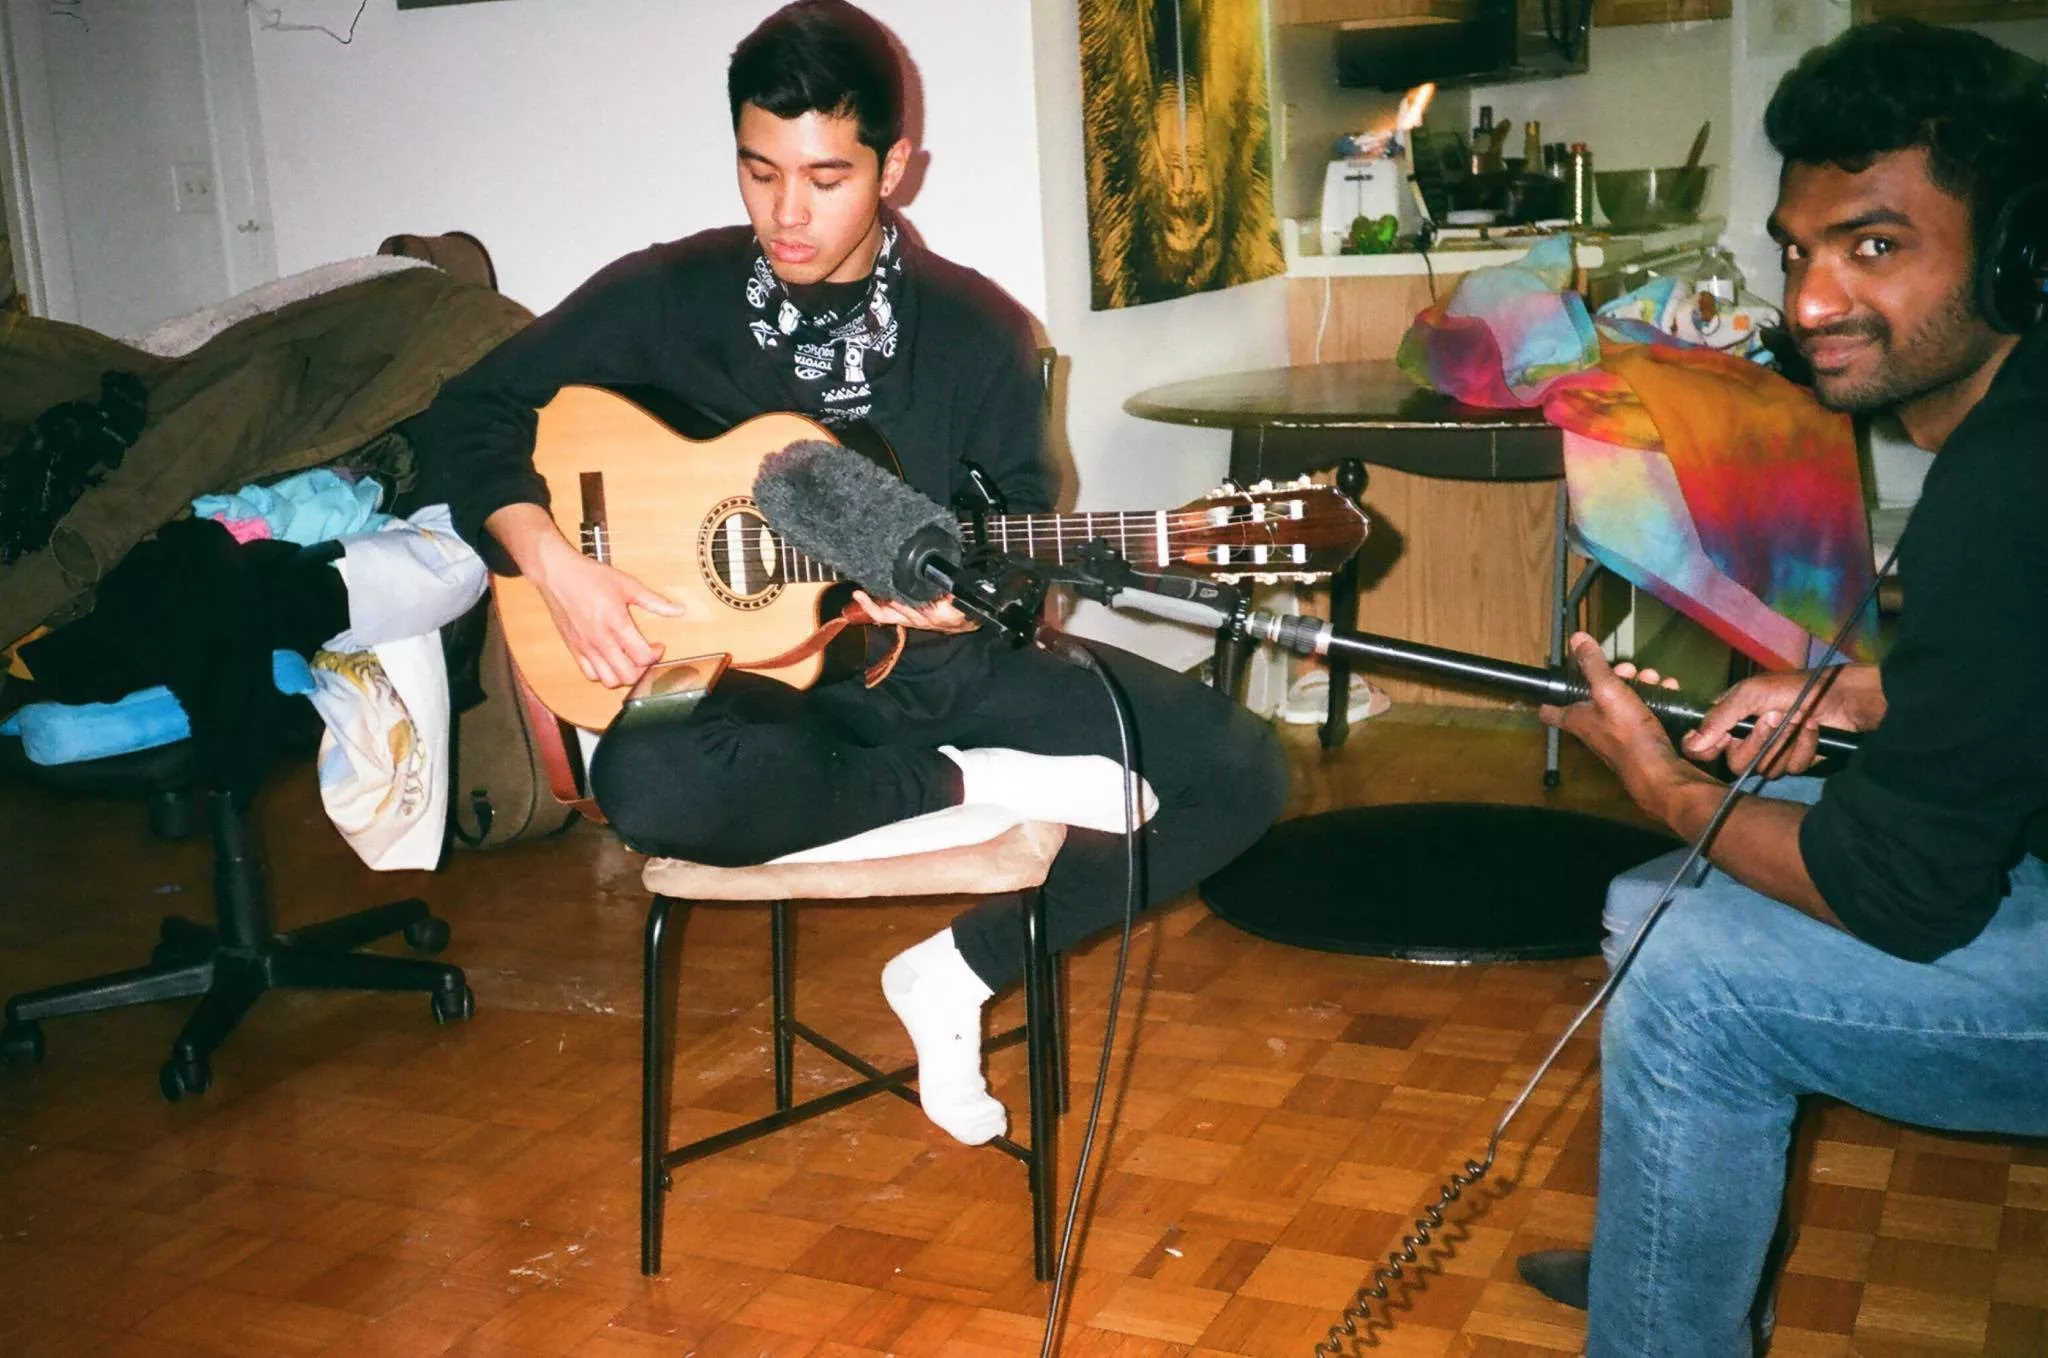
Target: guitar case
<point x="498" y="791"/>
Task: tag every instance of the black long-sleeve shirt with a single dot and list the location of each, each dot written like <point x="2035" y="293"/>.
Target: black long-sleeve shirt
<point x="1911" y="844"/>
<point x="673" y="317"/>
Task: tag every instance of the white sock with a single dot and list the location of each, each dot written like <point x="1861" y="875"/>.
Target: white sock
<point x="1084" y="790"/>
<point x="939" y="999"/>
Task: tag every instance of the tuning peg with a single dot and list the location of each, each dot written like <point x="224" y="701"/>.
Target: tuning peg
<point x="1261" y="487"/>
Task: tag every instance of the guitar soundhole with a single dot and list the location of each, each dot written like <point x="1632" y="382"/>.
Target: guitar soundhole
<point x="738" y="555"/>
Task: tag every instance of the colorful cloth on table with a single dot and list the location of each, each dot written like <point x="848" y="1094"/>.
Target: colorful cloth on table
<point x="1717" y="486"/>
<point x="309" y="507"/>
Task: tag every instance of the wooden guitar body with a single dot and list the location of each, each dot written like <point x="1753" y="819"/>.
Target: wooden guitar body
<point x="677" y="515"/>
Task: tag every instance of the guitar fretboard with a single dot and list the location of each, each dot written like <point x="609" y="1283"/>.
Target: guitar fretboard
<point x="1153" y="538"/>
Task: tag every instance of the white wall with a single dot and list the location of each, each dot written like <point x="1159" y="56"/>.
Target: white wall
<point x="109" y="96"/>
<point x="1646" y="90"/>
<point x="564" y="133"/>
<point x="1769" y="37"/>
<point x="1120" y="462"/>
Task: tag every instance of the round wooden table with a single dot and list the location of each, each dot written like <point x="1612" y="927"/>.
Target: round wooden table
<point x="1436" y="882"/>
<point x="1285" y="422"/>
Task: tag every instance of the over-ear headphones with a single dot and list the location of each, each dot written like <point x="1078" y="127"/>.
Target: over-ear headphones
<point x="2012" y="262"/>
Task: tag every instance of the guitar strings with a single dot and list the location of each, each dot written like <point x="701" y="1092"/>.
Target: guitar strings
<point x="1060" y="531"/>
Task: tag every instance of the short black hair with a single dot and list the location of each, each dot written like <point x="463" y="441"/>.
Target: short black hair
<point x="1979" y="109"/>
<point x="822" y="56"/>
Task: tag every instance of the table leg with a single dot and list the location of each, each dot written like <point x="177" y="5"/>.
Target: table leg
<point x="1247" y="448"/>
<point x="1344" y="613"/>
<point x="1227" y="673"/>
<point x="1560" y="590"/>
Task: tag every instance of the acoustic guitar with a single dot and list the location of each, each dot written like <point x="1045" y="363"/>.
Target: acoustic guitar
<point x="678" y="514"/>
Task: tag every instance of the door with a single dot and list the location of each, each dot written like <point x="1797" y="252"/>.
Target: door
<point x="134" y="165"/>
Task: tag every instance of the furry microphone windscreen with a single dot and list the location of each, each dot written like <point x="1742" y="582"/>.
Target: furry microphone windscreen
<point x="835" y="506"/>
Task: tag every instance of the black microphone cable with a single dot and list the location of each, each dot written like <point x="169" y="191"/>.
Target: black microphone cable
<point x="1079" y="654"/>
<point x="1377" y="1288"/>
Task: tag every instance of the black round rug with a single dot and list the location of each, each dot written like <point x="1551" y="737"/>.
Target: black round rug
<point x="1433" y="882"/>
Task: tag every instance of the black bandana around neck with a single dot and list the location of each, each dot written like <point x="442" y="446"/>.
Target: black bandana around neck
<point x="836" y="341"/>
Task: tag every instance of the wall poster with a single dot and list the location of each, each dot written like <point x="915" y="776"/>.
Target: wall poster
<point x="1179" y="148"/>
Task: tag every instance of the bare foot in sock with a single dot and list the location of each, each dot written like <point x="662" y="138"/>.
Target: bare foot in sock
<point x="1082" y="790"/>
<point x="939" y="999"/>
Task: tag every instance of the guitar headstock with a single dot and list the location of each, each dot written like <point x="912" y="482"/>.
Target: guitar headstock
<point x="1268" y="532"/>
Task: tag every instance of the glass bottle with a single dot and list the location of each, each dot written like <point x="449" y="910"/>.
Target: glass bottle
<point x="1582" y="184"/>
<point x="1716" y="288"/>
<point x="1482" y="139"/>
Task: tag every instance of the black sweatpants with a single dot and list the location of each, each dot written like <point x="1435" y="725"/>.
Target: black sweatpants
<point x="761" y="770"/>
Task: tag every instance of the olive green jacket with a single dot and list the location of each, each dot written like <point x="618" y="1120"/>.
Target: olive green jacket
<point x="279" y="392"/>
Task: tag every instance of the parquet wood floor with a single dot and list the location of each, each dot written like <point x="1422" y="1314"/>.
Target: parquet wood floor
<point x="361" y="1182"/>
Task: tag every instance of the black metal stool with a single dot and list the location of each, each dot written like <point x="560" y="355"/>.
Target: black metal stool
<point x="1015" y="860"/>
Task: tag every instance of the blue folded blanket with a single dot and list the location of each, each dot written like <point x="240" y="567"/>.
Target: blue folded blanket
<point x="70" y="733"/>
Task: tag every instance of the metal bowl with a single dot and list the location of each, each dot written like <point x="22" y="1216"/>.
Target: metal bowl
<point x="1642" y="200"/>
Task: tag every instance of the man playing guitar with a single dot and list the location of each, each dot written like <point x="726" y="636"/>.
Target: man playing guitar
<point x="825" y="305"/>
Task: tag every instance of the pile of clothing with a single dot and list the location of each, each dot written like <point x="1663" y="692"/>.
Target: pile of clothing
<point x="211" y="536"/>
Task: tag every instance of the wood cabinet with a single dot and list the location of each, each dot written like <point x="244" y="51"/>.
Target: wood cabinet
<point x="1373" y="13"/>
<point x="1951" y="11"/>
<point x="1464" y="564"/>
<point x="1615" y="13"/>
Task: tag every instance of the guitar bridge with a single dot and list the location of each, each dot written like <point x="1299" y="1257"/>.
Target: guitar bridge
<point x="596" y="532"/>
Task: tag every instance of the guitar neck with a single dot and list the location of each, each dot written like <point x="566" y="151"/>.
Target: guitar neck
<point x="1140" y="536"/>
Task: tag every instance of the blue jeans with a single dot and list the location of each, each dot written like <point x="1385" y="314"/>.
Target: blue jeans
<point x="1737" y="1005"/>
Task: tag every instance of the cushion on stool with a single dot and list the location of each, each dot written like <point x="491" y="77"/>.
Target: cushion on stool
<point x="962" y="851"/>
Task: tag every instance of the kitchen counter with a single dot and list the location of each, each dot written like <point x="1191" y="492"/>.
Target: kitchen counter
<point x="1596" y="251"/>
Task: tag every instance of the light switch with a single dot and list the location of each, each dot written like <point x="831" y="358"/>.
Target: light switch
<point x="192" y="187"/>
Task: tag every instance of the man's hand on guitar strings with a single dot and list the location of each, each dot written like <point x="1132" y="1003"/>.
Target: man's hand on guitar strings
<point x="941" y="615"/>
<point x="592" y="605"/>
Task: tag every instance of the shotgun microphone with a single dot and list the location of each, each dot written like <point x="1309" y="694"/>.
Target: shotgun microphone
<point x="1180" y="599"/>
<point x="835" y="506"/>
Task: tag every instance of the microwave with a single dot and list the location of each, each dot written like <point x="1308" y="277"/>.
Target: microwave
<point x="1503" y="40"/>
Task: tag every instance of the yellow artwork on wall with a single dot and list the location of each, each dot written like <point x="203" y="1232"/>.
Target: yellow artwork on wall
<point x="1179" y="148"/>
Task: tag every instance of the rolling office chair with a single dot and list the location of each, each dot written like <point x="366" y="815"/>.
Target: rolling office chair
<point x="232" y="961"/>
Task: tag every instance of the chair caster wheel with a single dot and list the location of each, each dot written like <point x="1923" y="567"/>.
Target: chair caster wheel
<point x="179" y="1078"/>
<point x="428" y="935"/>
<point x="454" y="1006"/>
<point x="21" y="1044"/>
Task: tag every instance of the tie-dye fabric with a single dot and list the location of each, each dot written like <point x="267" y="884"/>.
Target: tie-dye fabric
<point x="1703" y="478"/>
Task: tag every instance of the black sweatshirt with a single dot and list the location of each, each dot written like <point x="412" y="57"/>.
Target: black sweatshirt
<point x="1910" y="845"/>
<point x="964" y="385"/>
